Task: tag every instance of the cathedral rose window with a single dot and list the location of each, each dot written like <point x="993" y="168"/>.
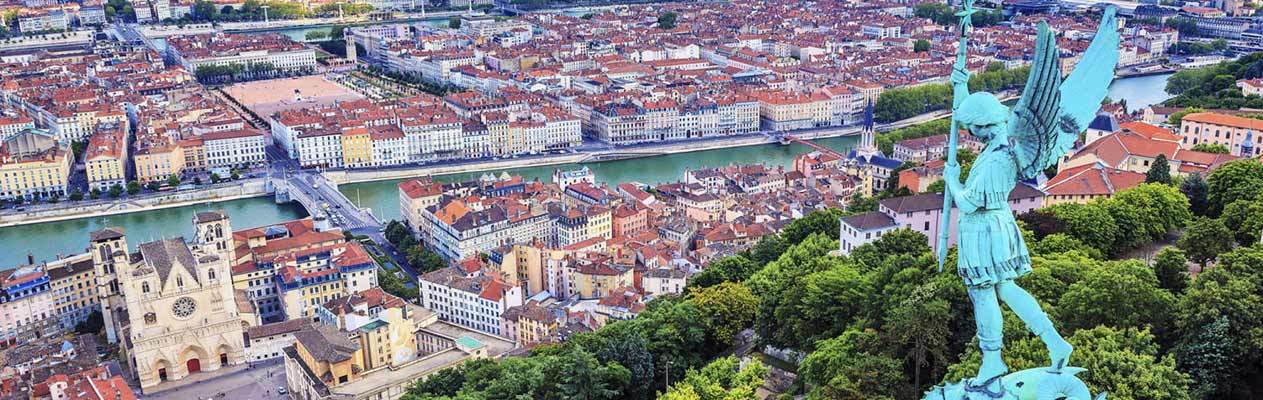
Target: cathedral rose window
<point x="184" y="307"/>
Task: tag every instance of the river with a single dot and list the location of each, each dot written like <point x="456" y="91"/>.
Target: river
<point x="47" y="240"/>
<point x="1140" y="91"/>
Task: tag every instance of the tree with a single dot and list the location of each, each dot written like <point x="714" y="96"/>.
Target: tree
<point x="1208" y="358"/>
<point x="117" y="190"/>
<point x="91" y="325"/>
<point x="1119" y="294"/>
<point x="1042" y="222"/>
<point x="725" y="378"/>
<point x="153" y="186"/>
<point x="95" y="194"/>
<point x="173" y="180"/>
<point x="1245" y="219"/>
<point x="587" y="379"/>
<point x="204" y="10"/>
<point x="1217" y="148"/>
<point x="805" y="296"/>
<point x="1205" y="239"/>
<point x="728" y="269"/>
<point x="1195" y="189"/>
<point x="921" y="323"/>
<point x="235" y="175"/>
<point x="727" y="308"/>
<point x="629" y="349"/>
<point x="827" y="222"/>
<point x="853" y="366"/>
<point x="1230" y="294"/>
<point x="317" y="35"/>
<point x="397" y="232"/>
<point x="1170" y="266"/>
<point x="133" y="188"/>
<point x="423" y="260"/>
<point x="1160" y="171"/>
<point x="214" y="177"/>
<point x="76" y="195"/>
<point x="1159" y="208"/>
<point x="1061" y="243"/>
<point x="1234" y="181"/>
<point x="667" y="20"/>
<point x="453" y="22"/>
<point x="1184" y="25"/>
<point x="197" y="180"/>
<point x="921" y="46"/>
<point x="1090" y="223"/>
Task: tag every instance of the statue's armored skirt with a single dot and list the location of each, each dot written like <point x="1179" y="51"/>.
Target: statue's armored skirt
<point x="990" y="248"/>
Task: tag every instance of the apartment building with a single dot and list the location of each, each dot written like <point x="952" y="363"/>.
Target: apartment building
<point x="34" y="165"/>
<point x="11" y="125"/>
<point x="106" y="158"/>
<point x="278" y="52"/>
<point x="232" y="148"/>
<point x="72" y="282"/>
<point x="26" y="305"/>
<point x="471" y="299"/>
<point x="1238" y="134"/>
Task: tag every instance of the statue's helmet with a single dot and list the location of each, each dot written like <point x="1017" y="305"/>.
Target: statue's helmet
<point x="981" y="109"/>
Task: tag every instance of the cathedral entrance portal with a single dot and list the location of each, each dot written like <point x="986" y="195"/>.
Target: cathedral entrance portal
<point x="162" y="374"/>
<point x="194" y="365"/>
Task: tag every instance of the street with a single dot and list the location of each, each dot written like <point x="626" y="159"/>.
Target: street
<point x="259" y="382"/>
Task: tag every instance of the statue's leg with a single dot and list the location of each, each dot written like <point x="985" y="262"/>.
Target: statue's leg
<point x="1026" y="308"/>
<point x="990" y="331"/>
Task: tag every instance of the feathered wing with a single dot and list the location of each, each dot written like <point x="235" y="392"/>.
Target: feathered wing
<point x="1052" y="112"/>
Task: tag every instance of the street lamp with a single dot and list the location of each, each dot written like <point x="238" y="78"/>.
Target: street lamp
<point x="265" y="14"/>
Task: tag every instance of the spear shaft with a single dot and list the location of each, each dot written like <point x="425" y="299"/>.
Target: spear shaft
<point x="945" y="218"/>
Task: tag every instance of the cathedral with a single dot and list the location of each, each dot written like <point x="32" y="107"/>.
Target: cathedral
<point x="171" y="302"/>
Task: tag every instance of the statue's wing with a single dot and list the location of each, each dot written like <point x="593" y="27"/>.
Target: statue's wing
<point x="1051" y="113"/>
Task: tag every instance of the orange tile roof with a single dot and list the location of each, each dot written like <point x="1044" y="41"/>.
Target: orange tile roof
<point x="1150" y="131"/>
<point x="1225" y="120"/>
<point x="1092" y="179"/>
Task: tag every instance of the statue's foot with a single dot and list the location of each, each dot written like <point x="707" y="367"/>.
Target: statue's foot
<point x="992" y="366"/>
<point x="1058" y="351"/>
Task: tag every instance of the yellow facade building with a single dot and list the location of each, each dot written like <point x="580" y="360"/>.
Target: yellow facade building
<point x="595" y="279"/>
<point x="157" y="163"/>
<point x="33" y="165"/>
<point x="72" y="281"/>
<point x="357" y="148"/>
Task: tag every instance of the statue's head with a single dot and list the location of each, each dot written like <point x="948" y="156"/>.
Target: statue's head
<point x="982" y="115"/>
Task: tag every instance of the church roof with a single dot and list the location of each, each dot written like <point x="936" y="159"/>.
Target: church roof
<point x="210" y="216"/>
<point x="164" y="255"/>
<point x="106" y="234"/>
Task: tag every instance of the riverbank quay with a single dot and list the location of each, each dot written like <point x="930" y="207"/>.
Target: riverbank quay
<point x="589" y="156"/>
<point x="50" y="212"/>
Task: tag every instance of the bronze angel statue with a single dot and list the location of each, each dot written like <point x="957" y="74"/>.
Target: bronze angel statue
<point x="1021" y="143"/>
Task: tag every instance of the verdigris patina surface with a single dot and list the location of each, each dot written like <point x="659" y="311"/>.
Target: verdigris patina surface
<point x="1021" y="144"/>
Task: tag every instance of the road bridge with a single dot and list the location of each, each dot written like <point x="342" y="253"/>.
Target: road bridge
<point x="319" y="196"/>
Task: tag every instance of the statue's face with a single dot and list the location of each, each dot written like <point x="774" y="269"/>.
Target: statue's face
<point x="985" y="132"/>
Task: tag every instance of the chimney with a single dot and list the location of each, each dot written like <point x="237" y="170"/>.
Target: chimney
<point x="30" y="258"/>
